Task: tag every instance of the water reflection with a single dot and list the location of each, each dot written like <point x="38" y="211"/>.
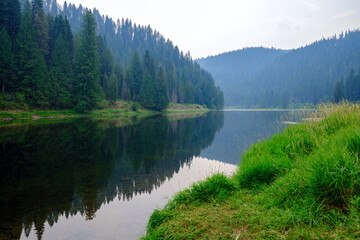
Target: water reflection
<point x="244" y="128"/>
<point x="63" y="169"/>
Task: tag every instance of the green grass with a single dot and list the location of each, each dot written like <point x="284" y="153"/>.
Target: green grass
<point x="301" y="184"/>
<point x="176" y="108"/>
<point x="120" y="109"/>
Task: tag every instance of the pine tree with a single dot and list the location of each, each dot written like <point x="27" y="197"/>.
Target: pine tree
<point x="189" y="96"/>
<point x="32" y="72"/>
<point x="147" y="92"/>
<point x="3" y="17"/>
<point x="36" y="6"/>
<point x="42" y="30"/>
<point x="6" y="62"/>
<point x="87" y="89"/>
<point x="111" y="88"/>
<point x="106" y="60"/>
<point x="350" y="86"/>
<point x="61" y="75"/>
<point x="119" y="79"/>
<point x="161" y="98"/>
<point x="13" y="18"/>
<point x="338" y="93"/>
<point x="137" y="76"/>
<point x="149" y="64"/>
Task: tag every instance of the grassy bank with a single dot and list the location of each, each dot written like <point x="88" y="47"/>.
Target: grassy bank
<point x="301" y="184"/>
<point x="176" y="108"/>
<point x="120" y="109"/>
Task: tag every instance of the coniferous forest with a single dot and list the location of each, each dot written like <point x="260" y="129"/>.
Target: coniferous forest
<point x="68" y="57"/>
<point x="268" y="77"/>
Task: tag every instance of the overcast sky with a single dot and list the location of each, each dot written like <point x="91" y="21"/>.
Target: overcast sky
<point x="207" y="27"/>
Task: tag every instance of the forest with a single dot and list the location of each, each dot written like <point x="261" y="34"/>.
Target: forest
<point x="68" y="57"/>
<point x="271" y="78"/>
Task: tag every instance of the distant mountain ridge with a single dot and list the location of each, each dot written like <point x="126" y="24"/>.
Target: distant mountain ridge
<point x="268" y="77"/>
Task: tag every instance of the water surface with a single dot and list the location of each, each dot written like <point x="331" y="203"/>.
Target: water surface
<point x="96" y="179"/>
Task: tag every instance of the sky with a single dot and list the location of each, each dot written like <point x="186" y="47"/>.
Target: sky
<point x="210" y="27"/>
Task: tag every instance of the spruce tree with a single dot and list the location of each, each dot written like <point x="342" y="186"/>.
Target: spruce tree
<point x="161" y="98"/>
<point x="137" y="75"/>
<point x="147" y="92"/>
<point x="36" y="6"/>
<point x="338" y="93"/>
<point x="3" y="17"/>
<point x="111" y="88"/>
<point x="61" y="75"/>
<point x="6" y="61"/>
<point x="87" y="90"/>
<point x="32" y="72"/>
<point x="119" y="79"/>
<point x="13" y="18"/>
<point x="106" y="60"/>
<point x="42" y="30"/>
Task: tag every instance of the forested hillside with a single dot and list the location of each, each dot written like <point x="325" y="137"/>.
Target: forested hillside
<point x="60" y="57"/>
<point x="276" y="78"/>
<point x="231" y="68"/>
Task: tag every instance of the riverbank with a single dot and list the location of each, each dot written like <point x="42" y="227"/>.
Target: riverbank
<point x="122" y="109"/>
<point x="301" y="184"/>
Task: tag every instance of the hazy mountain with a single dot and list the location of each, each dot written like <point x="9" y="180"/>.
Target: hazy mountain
<point x="260" y="77"/>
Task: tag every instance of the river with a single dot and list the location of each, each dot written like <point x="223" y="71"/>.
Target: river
<point x="98" y="179"/>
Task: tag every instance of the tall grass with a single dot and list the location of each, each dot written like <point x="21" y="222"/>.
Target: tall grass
<point x="306" y="177"/>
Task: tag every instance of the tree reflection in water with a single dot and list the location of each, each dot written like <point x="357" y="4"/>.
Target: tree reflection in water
<point x="60" y="169"/>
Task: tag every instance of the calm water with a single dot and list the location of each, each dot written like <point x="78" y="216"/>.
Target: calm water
<point x="92" y="179"/>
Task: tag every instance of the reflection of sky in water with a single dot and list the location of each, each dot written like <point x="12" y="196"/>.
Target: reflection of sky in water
<point x="244" y="128"/>
<point x="128" y="219"/>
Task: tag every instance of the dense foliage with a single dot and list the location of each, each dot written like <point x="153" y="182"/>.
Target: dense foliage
<point x="63" y="57"/>
<point x="259" y="77"/>
<point x="348" y="88"/>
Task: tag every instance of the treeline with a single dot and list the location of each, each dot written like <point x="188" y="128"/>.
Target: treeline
<point x="46" y="64"/>
<point x="348" y="88"/>
<point x="306" y="75"/>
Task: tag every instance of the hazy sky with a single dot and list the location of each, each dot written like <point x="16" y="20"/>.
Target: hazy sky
<point x="207" y="27"/>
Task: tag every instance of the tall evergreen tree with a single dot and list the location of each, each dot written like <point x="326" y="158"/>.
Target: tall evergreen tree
<point x="3" y="17"/>
<point x="106" y="60"/>
<point x="338" y="92"/>
<point x="87" y="89"/>
<point x="147" y="92"/>
<point x="6" y="61"/>
<point x="61" y="75"/>
<point x="161" y="98"/>
<point x="13" y="18"/>
<point x="36" y="6"/>
<point x="149" y="64"/>
<point x="137" y="75"/>
<point x="32" y="72"/>
<point x="111" y="88"/>
<point x="350" y="86"/>
<point x="119" y="79"/>
<point x="42" y="32"/>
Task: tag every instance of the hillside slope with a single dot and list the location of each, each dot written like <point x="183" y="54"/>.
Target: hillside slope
<point x="259" y="77"/>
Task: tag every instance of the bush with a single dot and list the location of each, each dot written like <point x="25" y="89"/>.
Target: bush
<point x="135" y="107"/>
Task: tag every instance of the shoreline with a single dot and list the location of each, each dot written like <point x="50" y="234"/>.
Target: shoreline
<point x="299" y="184"/>
<point x="122" y="111"/>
